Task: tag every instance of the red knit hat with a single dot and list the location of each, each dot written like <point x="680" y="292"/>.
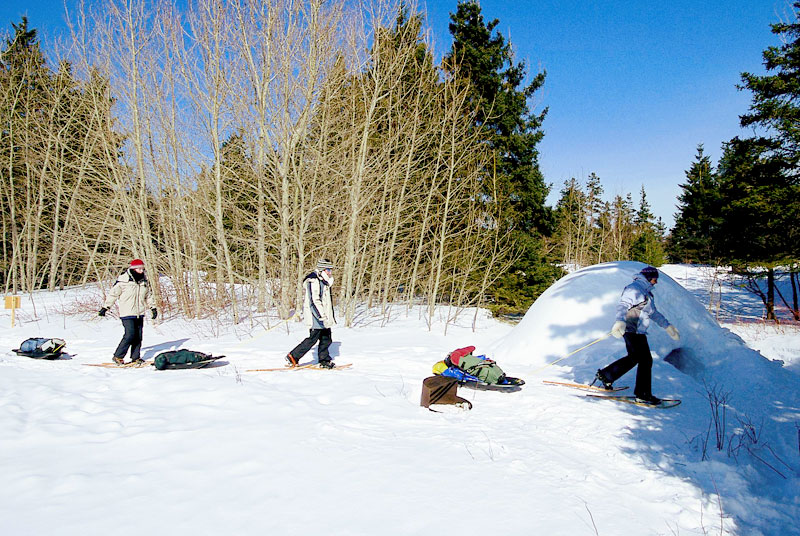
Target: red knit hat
<point x="137" y="263"/>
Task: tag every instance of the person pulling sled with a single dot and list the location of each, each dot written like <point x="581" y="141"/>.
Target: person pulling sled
<point x="635" y="310"/>
<point x="318" y="316"/>
<point x="132" y="292"/>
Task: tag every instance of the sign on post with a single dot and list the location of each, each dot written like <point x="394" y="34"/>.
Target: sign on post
<point x="13" y="303"/>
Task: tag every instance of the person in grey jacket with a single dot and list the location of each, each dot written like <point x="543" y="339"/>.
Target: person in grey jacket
<point x="318" y="315"/>
<point x="132" y="291"/>
<point x="635" y="310"/>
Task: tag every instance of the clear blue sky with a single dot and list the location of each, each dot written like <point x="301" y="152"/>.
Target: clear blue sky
<point x="633" y="86"/>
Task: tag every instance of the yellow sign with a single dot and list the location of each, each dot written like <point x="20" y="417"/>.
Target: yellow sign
<point x="12" y="302"/>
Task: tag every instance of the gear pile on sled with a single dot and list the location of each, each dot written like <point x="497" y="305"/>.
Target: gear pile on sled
<point x="41" y="348"/>
<point x="477" y="372"/>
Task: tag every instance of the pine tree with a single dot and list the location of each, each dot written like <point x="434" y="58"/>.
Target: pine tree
<point x="776" y="96"/>
<point x="698" y="213"/>
<point x="759" y="213"/>
<point x="648" y="239"/>
<point x="512" y="130"/>
<point x="760" y="176"/>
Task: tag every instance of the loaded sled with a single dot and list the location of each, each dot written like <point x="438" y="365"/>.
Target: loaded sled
<point x="41" y="348"/>
<point x="476" y="372"/>
<point x="183" y="359"/>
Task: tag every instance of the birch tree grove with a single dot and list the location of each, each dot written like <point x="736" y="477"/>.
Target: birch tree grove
<point x="232" y="144"/>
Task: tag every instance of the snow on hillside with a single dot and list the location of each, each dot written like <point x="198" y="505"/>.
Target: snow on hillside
<point x="222" y="450"/>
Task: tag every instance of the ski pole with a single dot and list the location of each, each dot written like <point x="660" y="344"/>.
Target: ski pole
<point x="573" y="352"/>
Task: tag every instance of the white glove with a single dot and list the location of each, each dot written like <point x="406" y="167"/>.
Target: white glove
<point x="672" y="331"/>
<point x="619" y="329"/>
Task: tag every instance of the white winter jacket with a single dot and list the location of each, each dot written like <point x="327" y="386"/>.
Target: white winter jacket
<point x="317" y="304"/>
<point x="135" y="298"/>
<point x="637" y="307"/>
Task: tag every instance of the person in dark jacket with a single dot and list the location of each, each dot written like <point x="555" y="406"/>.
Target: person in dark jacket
<point x="132" y="291"/>
<point x="635" y="310"/>
<point x="318" y="315"/>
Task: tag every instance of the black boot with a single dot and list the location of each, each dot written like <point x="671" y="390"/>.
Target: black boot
<point x="648" y="399"/>
<point x="605" y="382"/>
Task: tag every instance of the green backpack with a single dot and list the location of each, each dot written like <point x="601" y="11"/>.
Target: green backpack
<point x="486" y="371"/>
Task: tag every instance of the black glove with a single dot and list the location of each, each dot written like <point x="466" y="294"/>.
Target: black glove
<point x="102" y="311"/>
<point x="155" y="312"/>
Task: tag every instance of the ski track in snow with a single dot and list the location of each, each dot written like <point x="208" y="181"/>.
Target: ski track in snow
<point x="220" y="450"/>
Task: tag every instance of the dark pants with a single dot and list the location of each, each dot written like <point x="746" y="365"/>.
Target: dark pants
<point x="638" y="354"/>
<point x="314" y="335"/>
<point x="132" y="338"/>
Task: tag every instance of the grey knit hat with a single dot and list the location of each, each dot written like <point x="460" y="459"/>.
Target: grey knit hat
<point x="324" y="264"/>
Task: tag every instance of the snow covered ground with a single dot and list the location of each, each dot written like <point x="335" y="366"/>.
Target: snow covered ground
<point x="86" y="450"/>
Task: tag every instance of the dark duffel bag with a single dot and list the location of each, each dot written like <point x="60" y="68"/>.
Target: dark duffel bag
<point x="178" y="359"/>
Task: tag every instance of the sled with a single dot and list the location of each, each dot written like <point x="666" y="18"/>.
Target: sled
<point x="46" y="355"/>
<point x="512" y="385"/>
<point x="41" y="348"/>
<point x="195" y="365"/>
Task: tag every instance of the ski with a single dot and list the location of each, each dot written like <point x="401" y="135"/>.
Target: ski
<point x="114" y="365"/>
<point x="585" y="387"/>
<point x="312" y="366"/>
<point x="666" y="403"/>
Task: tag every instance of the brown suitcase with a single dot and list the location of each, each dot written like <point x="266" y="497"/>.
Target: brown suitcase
<point x="442" y="390"/>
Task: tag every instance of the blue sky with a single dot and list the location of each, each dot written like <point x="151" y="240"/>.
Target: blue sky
<point x="632" y="86"/>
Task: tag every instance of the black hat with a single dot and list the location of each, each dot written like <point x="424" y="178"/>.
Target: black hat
<point x="649" y="273"/>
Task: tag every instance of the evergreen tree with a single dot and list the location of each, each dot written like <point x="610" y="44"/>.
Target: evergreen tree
<point x="759" y="178"/>
<point x="648" y="246"/>
<point x="512" y="130"/>
<point x="759" y="212"/>
<point x="698" y="213"/>
<point x="776" y="96"/>
<point x="776" y="108"/>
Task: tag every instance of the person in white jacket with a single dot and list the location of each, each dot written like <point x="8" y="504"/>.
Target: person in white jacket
<point x="635" y="310"/>
<point x="318" y="315"/>
<point x="132" y="292"/>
